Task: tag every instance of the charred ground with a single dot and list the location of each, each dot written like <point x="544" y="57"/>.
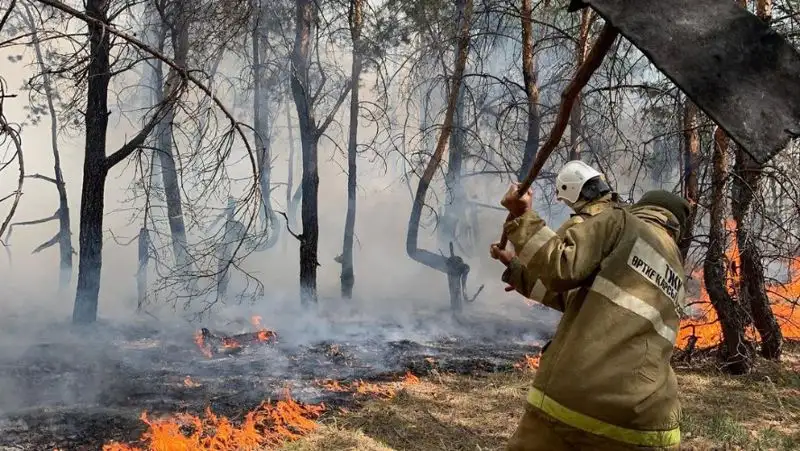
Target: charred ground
<point x="76" y="389"/>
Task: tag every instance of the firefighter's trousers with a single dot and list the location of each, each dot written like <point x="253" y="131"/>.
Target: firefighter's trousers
<point x="539" y="432"/>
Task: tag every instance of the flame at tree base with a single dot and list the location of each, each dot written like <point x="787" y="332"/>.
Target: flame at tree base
<point x="705" y="328"/>
<point x="265" y="426"/>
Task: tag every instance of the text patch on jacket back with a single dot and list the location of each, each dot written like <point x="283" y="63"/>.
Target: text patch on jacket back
<point x="649" y="263"/>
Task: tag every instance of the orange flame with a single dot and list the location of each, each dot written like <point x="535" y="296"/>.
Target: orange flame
<point x="267" y="425"/>
<point x="528" y="363"/>
<point x="410" y="379"/>
<point x="705" y="327"/>
<point x="190" y="383"/>
<point x="201" y="343"/>
<point x="362" y="388"/>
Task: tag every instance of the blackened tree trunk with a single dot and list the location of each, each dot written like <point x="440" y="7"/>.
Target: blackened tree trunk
<point x="736" y="352"/>
<point x="691" y="157"/>
<point x="310" y="133"/>
<point x="310" y="179"/>
<point x="348" y="275"/>
<point x="529" y="76"/>
<point x="96" y="164"/>
<point x="64" y="235"/>
<point x="576" y="119"/>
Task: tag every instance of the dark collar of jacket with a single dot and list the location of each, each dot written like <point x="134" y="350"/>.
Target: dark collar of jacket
<point x="658" y="216"/>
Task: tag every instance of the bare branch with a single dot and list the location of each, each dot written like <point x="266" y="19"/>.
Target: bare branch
<point x="299" y="238"/>
<point x="321" y="129"/>
<point x="48" y="243"/>
<point x="42" y="177"/>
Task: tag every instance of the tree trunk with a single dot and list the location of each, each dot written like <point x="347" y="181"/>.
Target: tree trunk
<point x="452" y="266"/>
<point x="454" y="207"/>
<point x="691" y="156"/>
<point x="179" y="29"/>
<point x="576" y="119"/>
<point x="94" y="166"/>
<point x="225" y="251"/>
<point x="141" y="273"/>
<point x="764" y="10"/>
<point x="292" y="199"/>
<point x="752" y="284"/>
<point x="262" y="129"/>
<point x="348" y="276"/>
<point x="64" y="229"/>
<point x="308" y="139"/>
<point x="736" y="352"/>
<point x="529" y="76"/>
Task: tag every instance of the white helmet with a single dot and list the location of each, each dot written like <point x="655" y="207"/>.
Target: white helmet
<point x="571" y="178"/>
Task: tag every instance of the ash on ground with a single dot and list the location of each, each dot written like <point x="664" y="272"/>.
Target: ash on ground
<point x="73" y="389"/>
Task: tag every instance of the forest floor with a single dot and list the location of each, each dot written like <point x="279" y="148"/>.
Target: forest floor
<point x="760" y="411"/>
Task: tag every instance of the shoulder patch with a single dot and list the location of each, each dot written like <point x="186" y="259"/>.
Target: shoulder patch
<point x="652" y="266"/>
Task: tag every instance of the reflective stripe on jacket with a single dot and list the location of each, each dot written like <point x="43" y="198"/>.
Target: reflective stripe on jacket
<point x="608" y="369"/>
<point x="527" y="283"/>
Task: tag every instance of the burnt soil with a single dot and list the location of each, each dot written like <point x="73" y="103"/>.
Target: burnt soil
<point x="76" y="390"/>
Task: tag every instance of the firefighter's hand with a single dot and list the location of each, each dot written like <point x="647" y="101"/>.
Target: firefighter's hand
<point x="517" y="206"/>
<point x="505" y="256"/>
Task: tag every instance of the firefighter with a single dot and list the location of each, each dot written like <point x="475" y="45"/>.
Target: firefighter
<point x="605" y="383"/>
<point x="585" y="191"/>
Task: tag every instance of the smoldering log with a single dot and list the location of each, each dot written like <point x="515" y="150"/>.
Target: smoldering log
<point x="217" y="344"/>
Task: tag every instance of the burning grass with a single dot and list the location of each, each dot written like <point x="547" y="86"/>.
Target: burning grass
<point x="266" y="426"/>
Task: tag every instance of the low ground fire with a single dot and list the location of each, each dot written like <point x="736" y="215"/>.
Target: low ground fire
<point x="217" y="389"/>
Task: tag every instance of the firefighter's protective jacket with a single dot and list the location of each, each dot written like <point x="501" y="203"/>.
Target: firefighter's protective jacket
<point x="607" y="370"/>
<point x="517" y="275"/>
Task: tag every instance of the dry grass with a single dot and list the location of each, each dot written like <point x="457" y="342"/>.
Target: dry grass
<point x="444" y="412"/>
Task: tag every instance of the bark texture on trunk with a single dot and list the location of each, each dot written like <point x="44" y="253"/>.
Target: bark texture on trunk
<point x="310" y="133"/>
<point x="94" y="166"/>
<point x="348" y="274"/>
<point x="310" y="179"/>
<point x="736" y="352"/>
<point x="691" y="164"/>
<point x="752" y="283"/>
<point x="529" y="77"/>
